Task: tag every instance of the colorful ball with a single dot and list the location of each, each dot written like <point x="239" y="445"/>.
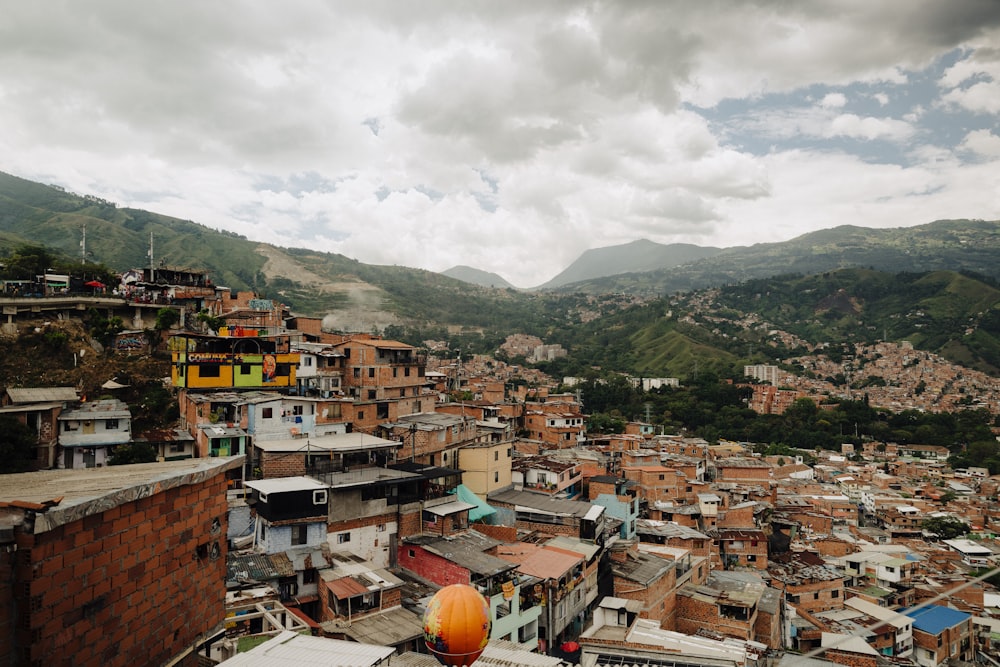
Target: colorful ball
<point x="457" y="625"/>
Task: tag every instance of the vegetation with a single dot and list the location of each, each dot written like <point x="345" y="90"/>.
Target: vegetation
<point x="945" y="527"/>
<point x="134" y="452"/>
<point x="17" y="446"/>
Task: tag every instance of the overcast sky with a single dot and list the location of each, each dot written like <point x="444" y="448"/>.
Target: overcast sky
<point x="509" y="136"/>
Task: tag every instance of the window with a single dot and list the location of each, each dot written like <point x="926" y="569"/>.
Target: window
<point x="406" y="371"/>
<point x="411" y="553"/>
<point x="245" y="369"/>
<point x="319" y="497"/>
<point x="300" y="534"/>
<point x="496" y="456"/>
<point x="343" y="538"/>
<point x="111" y="424"/>
<point x="357" y="372"/>
<point x="496" y="476"/>
<point x="395" y="372"/>
<point x="361" y="416"/>
<point x="380" y="528"/>
<point x="208" y="371"/>
<point x="296" y="409"/>
<point x="371" y="372"/>
<point x="835" y="594"/>
<point x="309" y="576"/>
<point x="815" y="596"/>
<point x="267" y="413"/>
<point x="662" y="478"/>
<point x="371" y="394"/>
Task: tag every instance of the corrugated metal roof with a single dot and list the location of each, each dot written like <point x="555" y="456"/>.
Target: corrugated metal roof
<point x="258" y="567"/>
<point x="935" y="619"/>
<point x="42" y="394"/>
<point x="346" y="587"/>
<point x="544" y="562"/>
<point x="388" y="628"/>
<point x="290" y="649"/>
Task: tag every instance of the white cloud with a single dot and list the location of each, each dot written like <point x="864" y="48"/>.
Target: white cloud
<point x="982" y="142"/>
<point x="595" y="123"/>
<point x="856" y="127"/>
<point x="833" y="101"/>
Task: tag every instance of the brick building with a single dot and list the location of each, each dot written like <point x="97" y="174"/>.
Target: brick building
<point x="727" y="605"/>
<point x="648" y="579"/>
<point x="741" y="548"/>
<point x="941" y="635"/>
<point x="111" y="566"/>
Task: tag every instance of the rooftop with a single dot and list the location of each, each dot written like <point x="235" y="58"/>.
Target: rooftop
<point x="61" y="496"/>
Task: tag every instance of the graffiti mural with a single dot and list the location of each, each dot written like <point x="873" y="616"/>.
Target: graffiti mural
<point x="130" y="344"/>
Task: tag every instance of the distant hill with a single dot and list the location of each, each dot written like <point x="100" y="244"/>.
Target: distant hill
<point x="467" y="274"/>
<point x="637" y="256"/>
<point x="353" y="296"/>
<point x="951" y="314"/>
<point x="954" y="245"/>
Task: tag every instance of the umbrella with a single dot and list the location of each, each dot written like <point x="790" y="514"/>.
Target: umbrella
<point x="570" y="647"/>
<point x="93" y="283"/>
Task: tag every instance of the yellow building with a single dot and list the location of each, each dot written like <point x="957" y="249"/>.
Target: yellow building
<point x="232" y="362"/>
<point x="486" y="467"/>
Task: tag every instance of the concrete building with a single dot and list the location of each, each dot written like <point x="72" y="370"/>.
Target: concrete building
<point x="89" y="433"/>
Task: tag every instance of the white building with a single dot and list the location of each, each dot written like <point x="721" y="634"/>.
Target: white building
<point x="88" y="434"/>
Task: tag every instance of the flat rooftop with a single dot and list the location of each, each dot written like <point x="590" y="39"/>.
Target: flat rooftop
<point x="77" y="493"/>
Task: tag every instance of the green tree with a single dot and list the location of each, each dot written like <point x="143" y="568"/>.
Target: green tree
<point x="945" y="527"/>
<point x="166" y="318"/>
<point x="17" y="446"/>
<point x="137" y="452"/>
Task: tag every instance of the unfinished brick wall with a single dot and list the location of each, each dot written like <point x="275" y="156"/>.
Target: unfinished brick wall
<point x="694" y="613"/>
<point x="282" y="464"/>
<point x="137" y="584"/>
<point x="502" y="533"/>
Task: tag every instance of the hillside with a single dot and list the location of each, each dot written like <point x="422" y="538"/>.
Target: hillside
<point x="769" y="320"/>
<point x="414" y="304"/>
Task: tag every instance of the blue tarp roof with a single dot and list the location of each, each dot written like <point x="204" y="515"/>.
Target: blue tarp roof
<point x="934" y="619"/>
<point x="481" y="508"/>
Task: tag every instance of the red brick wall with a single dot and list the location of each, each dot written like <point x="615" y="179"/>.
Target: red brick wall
<point x="441" y="571"/>
<point x="135" y="585"/>
<point x="818" y="596"/>
<point x="282" y="464"/>
<point x="502" y="533"/>
<point x="693" y="614"/>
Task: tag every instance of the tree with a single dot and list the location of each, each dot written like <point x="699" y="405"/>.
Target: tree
<point x="17" y="446"/>
<point x="139" y="452"/>
<point x="166" y="318"/>
<point x="945" y="527"/>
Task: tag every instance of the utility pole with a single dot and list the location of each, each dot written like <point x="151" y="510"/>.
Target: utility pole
<point x="83" y="245"/>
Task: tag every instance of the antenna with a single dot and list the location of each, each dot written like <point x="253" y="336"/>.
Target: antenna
<point x="83" y="245"/>
<point x="152" y="265"/>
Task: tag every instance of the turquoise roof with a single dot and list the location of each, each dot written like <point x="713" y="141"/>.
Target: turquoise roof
<point x="481" y="509"/>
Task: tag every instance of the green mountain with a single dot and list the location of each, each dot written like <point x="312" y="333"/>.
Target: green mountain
<point x="955" y="245"/>
<point x="467" y="274"/>
<point x="830" y="290"/>
<point x="638" y="256"/>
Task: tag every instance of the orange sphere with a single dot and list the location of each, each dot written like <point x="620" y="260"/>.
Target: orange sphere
<point x="457" y="625"/>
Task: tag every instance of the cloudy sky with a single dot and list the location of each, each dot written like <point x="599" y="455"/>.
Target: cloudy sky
<point x="509" y="136"/>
